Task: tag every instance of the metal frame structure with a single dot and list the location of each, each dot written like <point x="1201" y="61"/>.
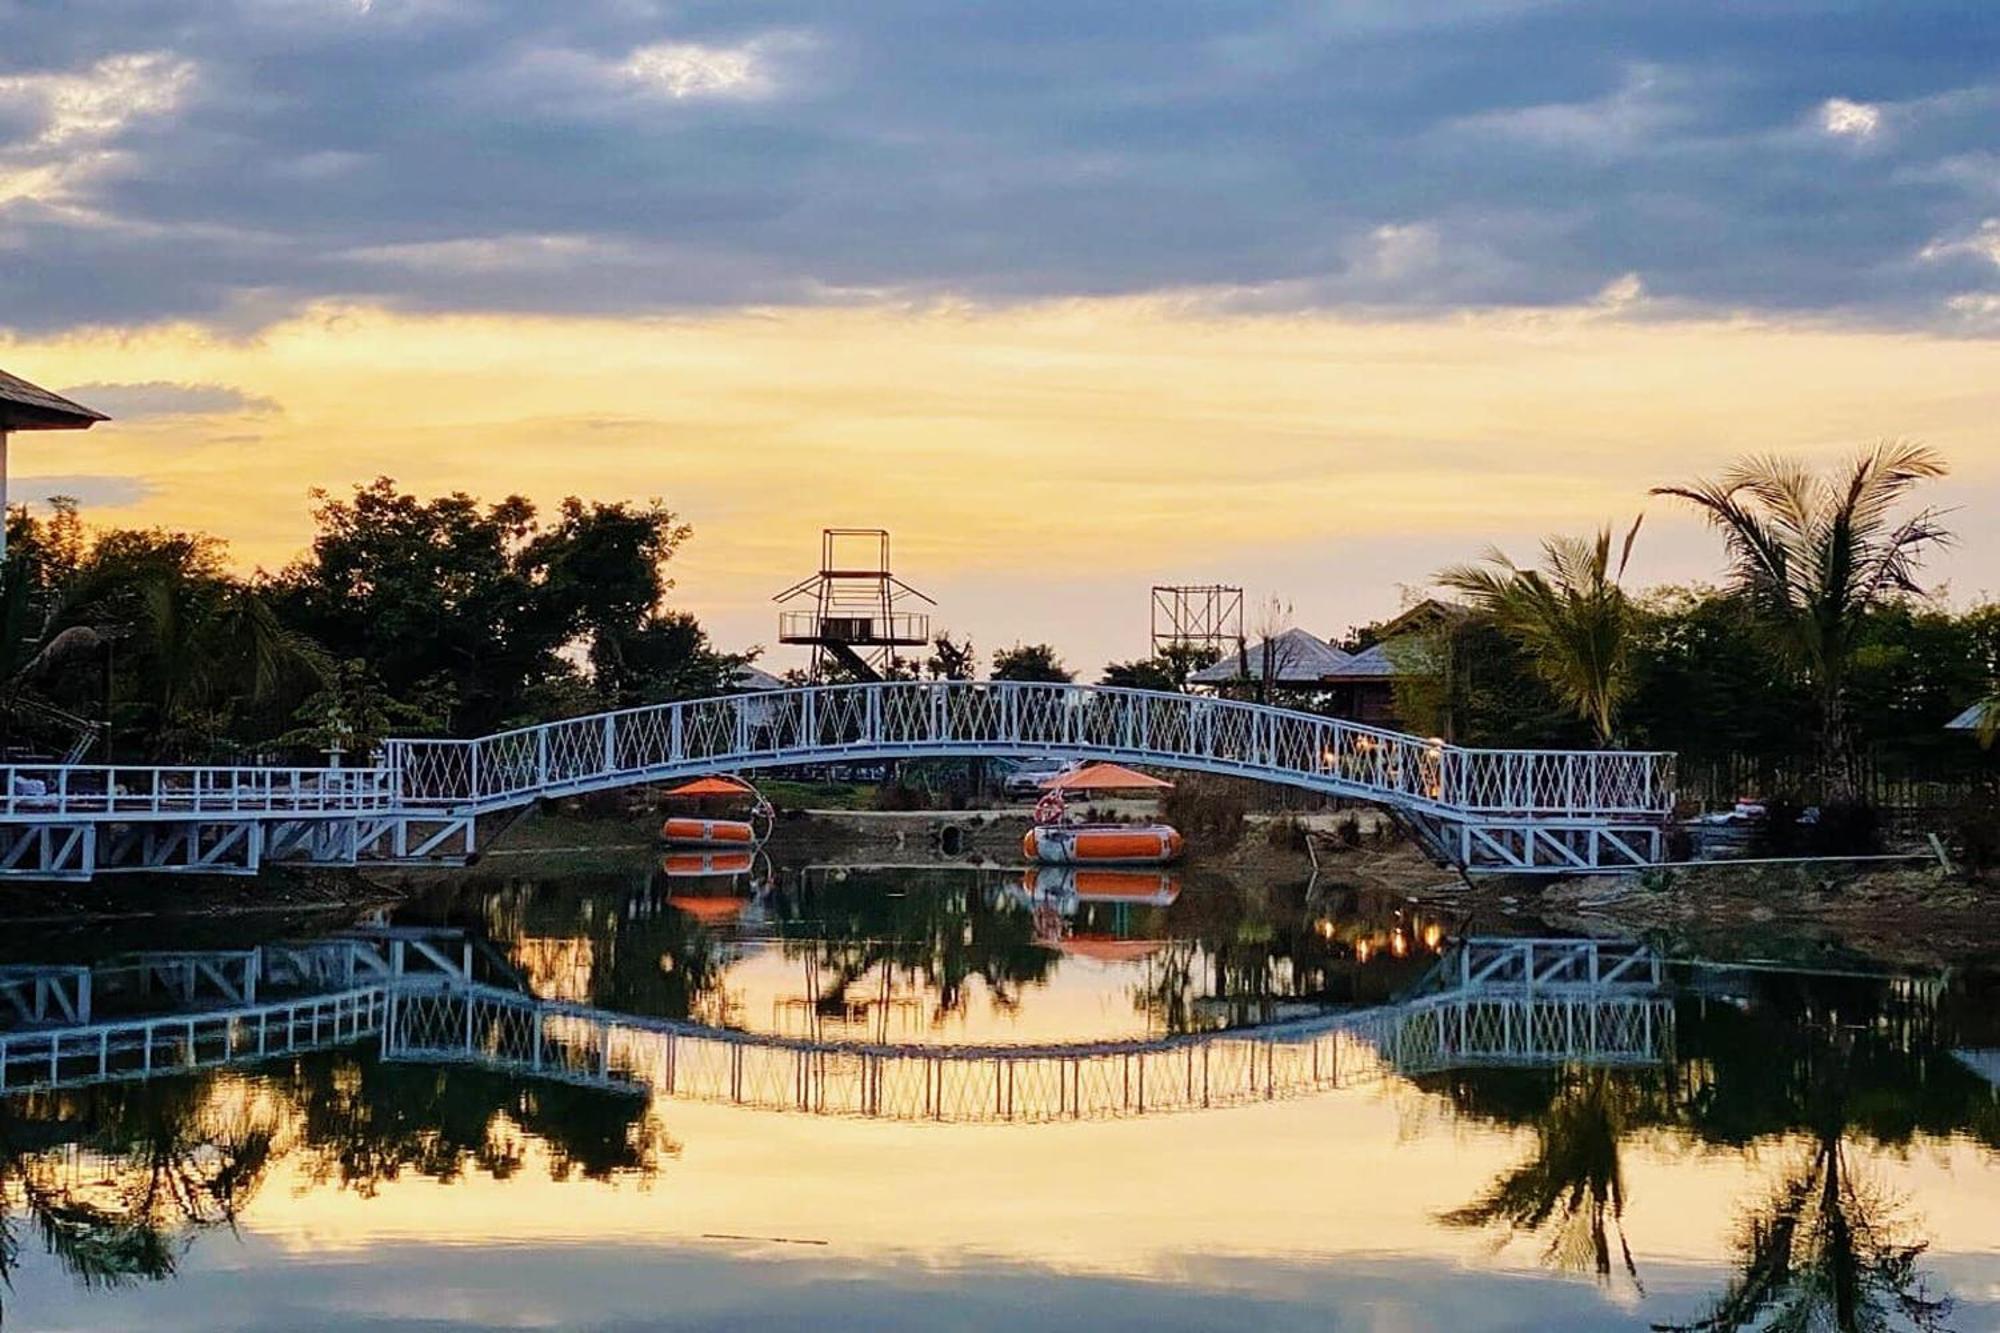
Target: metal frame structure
<point x="858" y="616"/>
<point x="1198" y="615"/>
<point x="1483" y="810"/>
<point x="1532" y="1004"/>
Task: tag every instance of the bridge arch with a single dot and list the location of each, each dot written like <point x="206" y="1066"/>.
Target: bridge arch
<point x="1480" y="808"/>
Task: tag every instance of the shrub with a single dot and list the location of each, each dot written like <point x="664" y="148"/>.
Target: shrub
<point x="1975" y="831"/>
<point x="1208" y="811"/>
<point x="899" y="796"/>
<point x="1286" y="833"/>
<point x="1348" y="830"/>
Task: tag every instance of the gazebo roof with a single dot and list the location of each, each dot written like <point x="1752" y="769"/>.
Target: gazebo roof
<point x="1300" y="657"/>
<point x="25" y="406"/>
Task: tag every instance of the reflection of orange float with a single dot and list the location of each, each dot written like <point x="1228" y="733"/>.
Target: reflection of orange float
<point x="689" y="864"/>
<point x="1151" y="888"/>
<point x="1102" y="844"/>
<point x="688" y="831"/>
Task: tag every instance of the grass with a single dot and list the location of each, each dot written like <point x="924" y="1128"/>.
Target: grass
<point x="819" y="795"/>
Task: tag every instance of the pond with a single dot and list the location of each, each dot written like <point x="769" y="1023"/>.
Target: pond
<point x="938" y="1096"/>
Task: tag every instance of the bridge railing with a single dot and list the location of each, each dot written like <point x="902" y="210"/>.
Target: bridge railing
<point x="96" y="791"/>
<point x="821" y="723"/>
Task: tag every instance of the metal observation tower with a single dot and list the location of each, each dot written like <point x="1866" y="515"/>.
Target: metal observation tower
<point x="854" y="611"/>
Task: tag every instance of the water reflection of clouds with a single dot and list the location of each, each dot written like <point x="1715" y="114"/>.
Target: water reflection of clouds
<point x="732" y="1284"/>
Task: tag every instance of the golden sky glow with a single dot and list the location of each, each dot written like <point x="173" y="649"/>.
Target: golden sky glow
<point x="1039" y="465"/>
<point x="1143" y="1198"/>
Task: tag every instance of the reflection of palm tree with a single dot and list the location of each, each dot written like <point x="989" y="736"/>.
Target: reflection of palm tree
<point x="1824" y="1251"/>
<point x="1573" y="1188"/>
<point x="167" y="1162"/>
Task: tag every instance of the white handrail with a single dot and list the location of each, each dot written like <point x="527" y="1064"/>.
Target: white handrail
<point x="912" y="718"/>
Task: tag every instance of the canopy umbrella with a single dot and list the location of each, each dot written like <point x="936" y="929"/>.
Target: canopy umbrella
<point x="709" y="909"/>
<point x="1108" y="949"/>
<point x="1106" y="777"/>
<point x="713" y="787"/>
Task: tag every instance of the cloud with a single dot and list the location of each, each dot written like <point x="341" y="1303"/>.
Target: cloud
<point x="166" y="398"/>
<point x="69" y="117"/>
<point x="688" y="69"/>
<point x="232" y="162"/>
<point x="1631" y="117"/>
<point x="1982" y="243"/>
<point x="88" y="490"/>
<point x="1849" y="120"/>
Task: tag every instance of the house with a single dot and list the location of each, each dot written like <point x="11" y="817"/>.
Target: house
<point x="1358" y="685"/>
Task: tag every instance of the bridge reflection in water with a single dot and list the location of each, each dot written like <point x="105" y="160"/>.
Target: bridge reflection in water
<point x="1490" y="1003"/>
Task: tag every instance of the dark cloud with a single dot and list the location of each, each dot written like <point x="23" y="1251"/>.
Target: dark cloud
<point x="623" y="156"/>
<point x="165" y="398"/>
<point x="89" y="490"/>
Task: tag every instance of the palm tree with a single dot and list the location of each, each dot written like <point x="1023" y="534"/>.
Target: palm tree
<point x="1815" y="554"/>
<point x="1571" y="617"/>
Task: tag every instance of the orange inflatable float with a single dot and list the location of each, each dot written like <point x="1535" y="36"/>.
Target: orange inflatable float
<point x="688" y="831"/>
<point x="1102" y="844"/>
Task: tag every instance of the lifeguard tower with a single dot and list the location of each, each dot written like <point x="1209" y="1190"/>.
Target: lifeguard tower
<point x="854" y="611"/>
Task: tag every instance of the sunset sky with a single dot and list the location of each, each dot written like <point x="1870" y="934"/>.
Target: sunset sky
<point x="1308" y="297"/>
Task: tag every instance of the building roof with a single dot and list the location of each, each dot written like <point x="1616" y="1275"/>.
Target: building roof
<point x="1300" y="658"/>
<point x="1371" y="663"/>
<point x="25" y="406"/>
<point x="1968" y="720"/>
<point x="748" y="677"/>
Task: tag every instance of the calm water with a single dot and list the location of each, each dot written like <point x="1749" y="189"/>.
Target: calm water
<point x="1681" y="1144"/>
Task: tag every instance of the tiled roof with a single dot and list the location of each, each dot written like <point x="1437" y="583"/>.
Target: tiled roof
<point x="1302" y="658"/>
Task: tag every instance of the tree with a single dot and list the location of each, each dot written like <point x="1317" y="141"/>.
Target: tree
<point x="1034" y="661"/>
<point x="352" y="713"/>
<point x="951" y="659"/>
<point x="198" y="658"/>
<point x="1571" y="617"/>
<point x="1144" y="673"/>
<point x="1816" y="554"/>
<point x="1168" y="669"/>
<point x="517" y="618"/>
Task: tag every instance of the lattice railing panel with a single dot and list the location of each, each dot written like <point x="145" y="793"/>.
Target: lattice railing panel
<point x="919" y="717"/>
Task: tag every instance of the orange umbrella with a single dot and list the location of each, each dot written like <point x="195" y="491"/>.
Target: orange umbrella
<point x="711" y="787"/>
<point x="1105" y="949"/>
<point x="1106" y="777"/>
<point x="709" y="909"/>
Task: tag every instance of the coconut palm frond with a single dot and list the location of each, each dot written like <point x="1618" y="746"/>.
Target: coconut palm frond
<point x="1761" y="560"/>
<point x="1815" y="555"/>
<point x="1570" y="616"/>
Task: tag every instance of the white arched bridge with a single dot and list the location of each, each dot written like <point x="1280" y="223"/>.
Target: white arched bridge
<point x="1483" y="810"/>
